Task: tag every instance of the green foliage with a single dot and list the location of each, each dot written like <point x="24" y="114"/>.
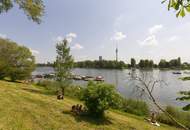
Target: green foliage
<point x="106" y="64"/>
<point x="64" y="63"/>
<point x="133" y="63"/>
<point x="144" y="64"/>
<point x="186" y="96"/>
<point x="185" y="78"/>
<point x="136" y="107"/>
<point x="173" y="64"/>
<point x="52" y="87"/>
<point x="99" y="97"/>
<point x="34" y="9"/>
<point x="16" y="61"/>
<point x="183" y="117"/>
<point x="181" y="6"/>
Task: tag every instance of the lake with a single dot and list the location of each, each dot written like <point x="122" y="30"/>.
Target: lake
<point x="165" y="94"/>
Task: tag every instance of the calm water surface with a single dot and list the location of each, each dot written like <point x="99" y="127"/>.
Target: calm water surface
<point x="165" y="94"/>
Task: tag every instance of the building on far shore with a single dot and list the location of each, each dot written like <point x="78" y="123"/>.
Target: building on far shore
<point x="116" y="51"/>
<point x="100" y="58"/>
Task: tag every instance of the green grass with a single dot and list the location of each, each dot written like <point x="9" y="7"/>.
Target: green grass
<point x="28" y="107"/>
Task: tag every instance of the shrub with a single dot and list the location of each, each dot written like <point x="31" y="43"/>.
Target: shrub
<point x="74" y="91"/>
<point x="53" y="86"/>
<point x="181" y="116"/>
<point x="136" y="107"/>
<point x="99" y="97"/>
<point x="49" y="85"/>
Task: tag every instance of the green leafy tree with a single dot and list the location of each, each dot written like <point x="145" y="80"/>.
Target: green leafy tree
<point x="181" y="6"/>
<point x="163" y="64"/>
<point x="133" y="63"/>
<point x="16" y="61"/>
<point x="142" y="64"/>
<point x="34" y="9"/>
<point x="63" y="65"/>
<point x="99" y="97"/>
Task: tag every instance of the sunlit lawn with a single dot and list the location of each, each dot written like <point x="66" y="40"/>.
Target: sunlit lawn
<point x="27" y="107"/>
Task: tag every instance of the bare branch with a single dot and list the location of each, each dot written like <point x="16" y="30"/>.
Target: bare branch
<point x="148" y="88"/>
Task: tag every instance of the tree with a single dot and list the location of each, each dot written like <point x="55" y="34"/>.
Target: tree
<point x="17" y="61"/>
<point x="63" y="65"/>
<point x="133" y="63"/>
<point x="34" y="9"/>
<point x="99" y="97"/>
<point x="146" y="85"/>
<point x="163" y="64"/>
<point x="181" y="6"/>
<point x="179" y="62"/>
<point x="142" y="64"/>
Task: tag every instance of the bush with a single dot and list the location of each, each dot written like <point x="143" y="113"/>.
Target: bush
<point x="99" y="97"/>
<point x="49" y="85"/>
<point x="181" y="116"/>
<point x="74" y="91"/>
<point x="53" y="86"/>
<point x="136" y="107"/>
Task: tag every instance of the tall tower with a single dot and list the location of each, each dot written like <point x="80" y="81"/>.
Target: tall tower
<point x="116" y="51"/>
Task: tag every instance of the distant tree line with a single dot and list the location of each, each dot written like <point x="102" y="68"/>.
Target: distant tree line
<point x="142" y="64"/>
<point x="105" y="64"/>
<point x="16" y="62"/>
<point x="163" y="64"/>
<point x="48" y="64"/>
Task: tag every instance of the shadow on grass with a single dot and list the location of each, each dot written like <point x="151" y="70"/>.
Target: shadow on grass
<point x="8" y="80"/>
<point x="44" y="92"/>
<point x="89" y="119"/>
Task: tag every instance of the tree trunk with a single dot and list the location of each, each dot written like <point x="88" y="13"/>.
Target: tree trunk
<point x="63" y="92"/>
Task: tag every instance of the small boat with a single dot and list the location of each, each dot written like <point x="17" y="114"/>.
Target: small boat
<point x="88" y="79"/>
<point x="99" y="78"/>
<point x="39" y="76"/>
<point x="176" y="72"/>
<point x="83" y="77"/>
<point x="89" y="76"/>
<point x="77" y="77"/>
<point x="49" y="76"/>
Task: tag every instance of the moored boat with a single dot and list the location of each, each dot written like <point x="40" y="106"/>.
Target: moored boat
<point x="99" y="78"/>
<point x="176" y="72"/>
<point x="77" y="77"/>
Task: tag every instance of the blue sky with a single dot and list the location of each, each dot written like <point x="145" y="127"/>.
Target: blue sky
<point x="142" y="29"/>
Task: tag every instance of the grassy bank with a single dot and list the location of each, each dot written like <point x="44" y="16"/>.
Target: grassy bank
<point x="28" y="107"/>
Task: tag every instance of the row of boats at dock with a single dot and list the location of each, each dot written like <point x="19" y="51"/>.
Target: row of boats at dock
<point x="73" y="77"/>
<point x="86" y="78"/>
<point x="179" y="72"/>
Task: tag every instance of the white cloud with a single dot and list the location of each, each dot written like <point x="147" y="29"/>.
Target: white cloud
<point x="155" y="29"/>
<point x="118" y="36"/>
<point x="4" y="36"/>
<point x="77" y="46"/>
<point x="34" y="52"/>
<point x="69" y="37"/>
<point x="59" y="38"/>
<point x="149" y="41"/>
<point x="173" y="38"/>
<point x="73" y="35"/>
